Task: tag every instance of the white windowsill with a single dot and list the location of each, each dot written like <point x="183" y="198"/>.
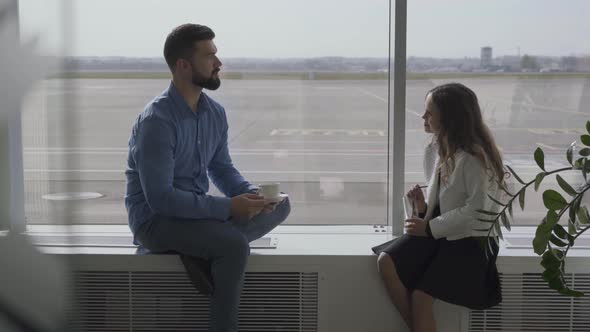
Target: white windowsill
<point x="351" y="240"/>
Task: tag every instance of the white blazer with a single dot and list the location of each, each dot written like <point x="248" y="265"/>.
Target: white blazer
<point x="465" y="191"/>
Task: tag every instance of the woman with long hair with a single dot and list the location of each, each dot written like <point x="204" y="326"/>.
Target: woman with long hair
<point x="445" y="251"/>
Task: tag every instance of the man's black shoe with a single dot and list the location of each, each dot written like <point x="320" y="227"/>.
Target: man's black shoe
<point x="199" y="273"/>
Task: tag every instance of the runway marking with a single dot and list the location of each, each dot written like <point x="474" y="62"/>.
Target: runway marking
<point x="553" y="131"/>
<point x="545" y="108"/>
<point x="36" y="170"/>
<point x="372" y="95"/>
<point x="327" y="132"/>
<point x="307" y="150"/>
<point x="277" y="153"/>
<point x="385" y="100"/>
<point x="75" y="149"/>
<point x="329" y="88"/>
<point x="76" y="152"/>
<point x="546" y="146"/>
<point x="285" y="154"/>
<point x="413" y="112"/>
<point x="281" y="141"/>
<point x="120" y="171"/>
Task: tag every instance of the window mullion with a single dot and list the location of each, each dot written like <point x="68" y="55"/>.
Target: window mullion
<point x="397" y="114"/>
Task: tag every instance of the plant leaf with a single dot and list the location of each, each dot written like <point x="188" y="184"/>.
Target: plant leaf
<point x="521" y="199"/>
<point x="505" y="221"/>
<point x="538" y="179"/>
<point x="557" y="241"/>
<point x="560" y="232"/>
<point x="571" y="228"/>
<point x="558" y="253"/>
<point x="487" y="220"/>
<point x="489" y="213"/>
<point x="506" y="191"/>
<point x="553" y="200"/>
<point x="557" y="284"/>
<point x="540" y="158"/>
<point x="510" y="210"/>
<point x="565" y="186"/>
<point x="584" y="152"/>
<point x="563" y="234"/>
<point x="574" y="208"/>
<point x="582" y="214"/>
<point x="490" y="248"/>
<point x="585" y="139"/>
<point x="552" y="219"/>
<point x="571" y="292"/>
<point x="550" y="274"/>
<point x="515" y="175"/>
<point x="549" y="260"/>
<point x="499" y="230"/>
<point x="588" y="126"/>
<point x="543" y="228"/>
<point x="569" y="154"/>
<point x="540" y="243"/>
<point x="496" y="201"/>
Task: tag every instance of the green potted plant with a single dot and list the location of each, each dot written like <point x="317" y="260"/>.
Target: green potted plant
<point x="552" y="241"/>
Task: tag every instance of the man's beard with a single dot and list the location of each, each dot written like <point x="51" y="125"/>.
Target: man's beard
<point x="211" y="83"/>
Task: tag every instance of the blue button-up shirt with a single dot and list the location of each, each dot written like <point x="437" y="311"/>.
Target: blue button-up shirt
<point x="172" y="151"/>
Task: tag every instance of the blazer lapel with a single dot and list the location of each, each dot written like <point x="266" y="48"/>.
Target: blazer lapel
<point x="432" y="196"/>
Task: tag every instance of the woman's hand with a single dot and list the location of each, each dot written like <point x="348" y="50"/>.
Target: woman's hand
<point x="415" y="226"/>
<point x="417" y="197"/>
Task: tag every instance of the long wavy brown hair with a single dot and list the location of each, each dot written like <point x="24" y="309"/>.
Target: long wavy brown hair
<point x="462" y="128"/>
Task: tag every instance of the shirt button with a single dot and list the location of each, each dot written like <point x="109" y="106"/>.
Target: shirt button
<point x="198" y="141"/>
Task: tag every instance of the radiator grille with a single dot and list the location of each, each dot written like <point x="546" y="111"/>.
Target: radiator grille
<point x="166" y="301"/>
<point x="529" y="305"/>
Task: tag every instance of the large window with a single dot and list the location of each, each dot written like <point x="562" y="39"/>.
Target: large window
<point x="306" y="91"/>
<point x="529" y="64"/>
<point x="305" y="87"/>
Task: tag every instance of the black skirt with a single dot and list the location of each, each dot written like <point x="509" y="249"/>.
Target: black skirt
<point x="459" y="271"/>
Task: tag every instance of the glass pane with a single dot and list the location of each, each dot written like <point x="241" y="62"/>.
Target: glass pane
<point x="304" y="88"/>
<point x="534" y="91"/>
<point x="48" y="122"/>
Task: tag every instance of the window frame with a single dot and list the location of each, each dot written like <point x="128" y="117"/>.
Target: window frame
<point x="12" y="203"/>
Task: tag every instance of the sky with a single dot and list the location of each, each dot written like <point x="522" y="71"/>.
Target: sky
<point x="309" y="28"/>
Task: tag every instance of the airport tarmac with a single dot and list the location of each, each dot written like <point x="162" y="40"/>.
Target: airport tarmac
<point x="326" y="142"/>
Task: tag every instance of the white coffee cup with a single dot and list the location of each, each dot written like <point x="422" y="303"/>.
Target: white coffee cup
<point x="269" y="190"/>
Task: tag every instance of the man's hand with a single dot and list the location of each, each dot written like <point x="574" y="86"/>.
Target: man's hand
<point x="246" y="206"/>
<point x="415" y="226"/>
<point x="269" y="207"/>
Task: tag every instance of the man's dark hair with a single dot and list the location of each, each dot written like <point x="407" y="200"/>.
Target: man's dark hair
<point x="180" y="42"/>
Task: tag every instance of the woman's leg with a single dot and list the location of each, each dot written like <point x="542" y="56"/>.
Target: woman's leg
<point x="422" y="312"/>
<point x="396" y="289"/>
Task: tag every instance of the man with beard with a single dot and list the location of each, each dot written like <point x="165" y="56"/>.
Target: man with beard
<point x="178" y="142"/>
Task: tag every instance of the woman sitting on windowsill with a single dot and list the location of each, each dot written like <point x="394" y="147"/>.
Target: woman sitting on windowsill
<point x="443" y="253"/>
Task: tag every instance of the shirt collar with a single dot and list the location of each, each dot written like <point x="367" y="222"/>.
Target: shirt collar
<point x="202" y="105"/>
